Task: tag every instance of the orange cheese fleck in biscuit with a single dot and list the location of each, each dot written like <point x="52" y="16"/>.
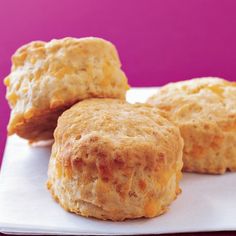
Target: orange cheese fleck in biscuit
<point x="151" y="208"/>
<point x="142" y="184"/>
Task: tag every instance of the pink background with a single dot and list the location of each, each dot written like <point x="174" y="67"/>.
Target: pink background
<point x="158" y="41"/>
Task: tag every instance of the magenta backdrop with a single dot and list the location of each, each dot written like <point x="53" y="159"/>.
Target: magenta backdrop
<point x="158" y="41"/>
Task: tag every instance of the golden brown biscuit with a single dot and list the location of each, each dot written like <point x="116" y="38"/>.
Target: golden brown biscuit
<point x="205" y="111"/>
<point x="113" y="160"/>
<point x="47" y="78"/>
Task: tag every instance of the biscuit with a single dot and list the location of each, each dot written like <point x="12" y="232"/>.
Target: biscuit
<point x="113" y="161"/>
<point x="48" y="77"/>
<point x="205" y="111"/>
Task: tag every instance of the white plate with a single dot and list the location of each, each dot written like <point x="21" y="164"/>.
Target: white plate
<point x="208" y="202"/>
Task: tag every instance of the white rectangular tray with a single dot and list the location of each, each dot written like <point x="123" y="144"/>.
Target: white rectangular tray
<point x="207" y="203"/>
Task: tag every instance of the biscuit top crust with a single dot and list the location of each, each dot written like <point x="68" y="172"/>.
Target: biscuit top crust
<point x="115" y="134"/>
<point x="48" y="75"/>
<point x="203" y="99"/>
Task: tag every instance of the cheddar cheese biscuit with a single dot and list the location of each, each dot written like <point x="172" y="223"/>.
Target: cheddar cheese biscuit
<point x="113" y="160"/>
<point x="48" y="77"/>
<point x="205" y="111"/>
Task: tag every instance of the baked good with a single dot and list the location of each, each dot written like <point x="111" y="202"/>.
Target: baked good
<point x="113" y="160"/>
<point x="48" y="77"/>
<point x="205" y="111"/>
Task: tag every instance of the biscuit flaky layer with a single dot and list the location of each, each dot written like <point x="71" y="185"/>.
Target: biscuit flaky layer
<point x="205" y="111"/>
<point x="48" y="77"/>
<point x="113" y="160"/>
